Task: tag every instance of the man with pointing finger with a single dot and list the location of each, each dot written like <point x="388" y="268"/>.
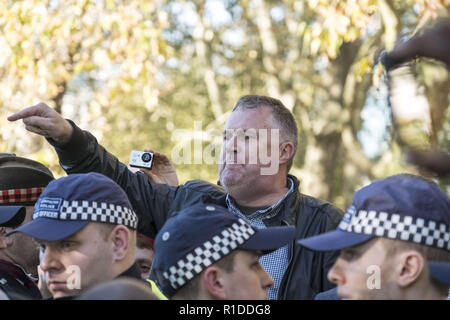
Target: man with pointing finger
<point x="263" y="200"/>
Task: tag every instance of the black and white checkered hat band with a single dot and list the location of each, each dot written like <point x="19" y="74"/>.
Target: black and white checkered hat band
<point x="208" y="253"/>
<point x="90" y="211"/>
<point x="401" y="227"/>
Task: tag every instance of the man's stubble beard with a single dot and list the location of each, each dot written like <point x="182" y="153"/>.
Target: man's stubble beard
<point x="26" y="251"/>
<point x="235" y="185"/>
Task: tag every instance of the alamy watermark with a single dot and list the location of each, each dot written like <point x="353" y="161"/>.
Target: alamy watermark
<point x="239" y="146"/>
<point x="73" y="281"/>
<point x="374" y="280"/>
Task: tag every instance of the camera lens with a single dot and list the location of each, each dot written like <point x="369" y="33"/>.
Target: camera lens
<point x="146" y="157"/>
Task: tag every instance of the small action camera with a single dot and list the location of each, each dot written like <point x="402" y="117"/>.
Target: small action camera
<point x="141" y="159"/>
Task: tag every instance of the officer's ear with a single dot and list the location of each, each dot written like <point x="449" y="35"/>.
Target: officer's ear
<point x="213" y="282"/>
<point x="411" y="265"/>
<point x="121" y="242"/>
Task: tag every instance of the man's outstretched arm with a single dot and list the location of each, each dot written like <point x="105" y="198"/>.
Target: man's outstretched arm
<point x="79" y="152"/>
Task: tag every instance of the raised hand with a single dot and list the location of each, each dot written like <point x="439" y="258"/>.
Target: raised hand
<point x="45" y="121"/>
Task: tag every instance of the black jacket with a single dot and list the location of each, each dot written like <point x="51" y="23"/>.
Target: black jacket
<point x="15" y="284"/>
<point x="154" y="203"/>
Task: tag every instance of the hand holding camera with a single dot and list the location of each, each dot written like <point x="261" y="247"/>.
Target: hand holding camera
<point x="160" y="170"/>
<point x="141" y="159"/>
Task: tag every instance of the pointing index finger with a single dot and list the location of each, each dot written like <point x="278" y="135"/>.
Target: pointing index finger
<point x="25" y="113"/>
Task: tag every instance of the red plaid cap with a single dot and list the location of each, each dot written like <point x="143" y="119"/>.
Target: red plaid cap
<point x="21" y="180"/>
<point x="20" y="196"/>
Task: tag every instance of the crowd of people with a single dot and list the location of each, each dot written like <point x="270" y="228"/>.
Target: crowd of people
<point x="107" y="232"/>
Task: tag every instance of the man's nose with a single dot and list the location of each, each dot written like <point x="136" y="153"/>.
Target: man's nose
<point x="50" y="261"/>
<point x="267" y="280"/>
<point x="335" y="274"/>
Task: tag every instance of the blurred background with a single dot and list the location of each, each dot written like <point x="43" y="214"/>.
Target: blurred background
<point x="134" y="73"/>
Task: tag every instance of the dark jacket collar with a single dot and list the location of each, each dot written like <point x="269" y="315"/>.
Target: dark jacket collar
<point x="287" y="217"/>
<point x="21" y="277"/>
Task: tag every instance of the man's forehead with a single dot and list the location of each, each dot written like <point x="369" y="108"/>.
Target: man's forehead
<point x="246" y="118"/>
<point x="69" y="238"/>
<point x="87" y="232"/>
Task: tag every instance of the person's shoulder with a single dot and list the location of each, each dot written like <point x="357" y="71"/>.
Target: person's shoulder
<point x="318" y="204"/>
<point x="320" y="207"/>
<point x="310" y="201"/>
<point x="314" y="206"/>
<point x="204" y="186"/>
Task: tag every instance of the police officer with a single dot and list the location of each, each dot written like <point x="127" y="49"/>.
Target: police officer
<point x="21" y="183"/>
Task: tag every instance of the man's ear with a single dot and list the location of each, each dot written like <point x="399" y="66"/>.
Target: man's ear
<point x="286" y="151"/>
<point x="411" y="265"/>
<point x="5" y="241"/>
<point x="213" y="283"/>
<point x="121" y="243"/>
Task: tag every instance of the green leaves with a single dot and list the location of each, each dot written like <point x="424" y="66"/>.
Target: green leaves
<point x="114" y="67"/>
